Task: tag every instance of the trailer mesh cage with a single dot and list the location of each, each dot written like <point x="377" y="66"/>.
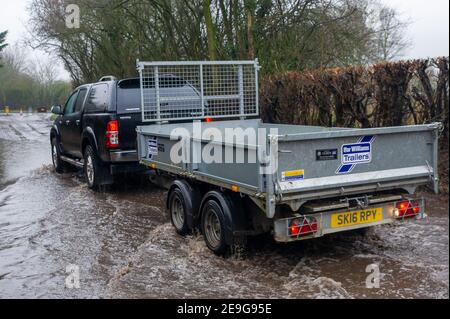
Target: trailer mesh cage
<point x="175" y="91"/>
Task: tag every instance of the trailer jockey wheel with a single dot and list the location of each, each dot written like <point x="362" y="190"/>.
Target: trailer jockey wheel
<point x="178" y="212"/>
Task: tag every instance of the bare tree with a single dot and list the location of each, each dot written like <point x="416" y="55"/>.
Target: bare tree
<point x="15" y="57"/>
<point x="283" y="34"/>
<point x="210" y="30"/>
<point x="390" y="41"/>
<point x="3" y="45"/>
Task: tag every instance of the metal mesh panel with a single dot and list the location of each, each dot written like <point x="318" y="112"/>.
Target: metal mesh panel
<point x="195" y="90"/>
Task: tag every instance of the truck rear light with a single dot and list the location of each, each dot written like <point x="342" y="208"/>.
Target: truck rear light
<point x="303" y="226"/>
<point x="112" y="134"/>
<point x="407" y="209"/>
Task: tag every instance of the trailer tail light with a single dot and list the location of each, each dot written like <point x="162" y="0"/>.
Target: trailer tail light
<point x="407" y="209"/>
<point x="303" y="226"/>
<point x="112" y="134"/>
<point x="209" y="120"/>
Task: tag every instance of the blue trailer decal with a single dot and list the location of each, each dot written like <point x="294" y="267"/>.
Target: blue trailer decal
<point x="152" y="147"/>
<point x="354" y="154"/>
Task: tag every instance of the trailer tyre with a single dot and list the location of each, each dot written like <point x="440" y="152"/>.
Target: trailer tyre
<point x="178" y="212"/>
<point x="213" y="227"/>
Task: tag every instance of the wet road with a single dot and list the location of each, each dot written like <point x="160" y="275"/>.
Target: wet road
<point x="123" y="244"/>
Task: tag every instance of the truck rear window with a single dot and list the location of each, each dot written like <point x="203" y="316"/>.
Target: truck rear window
<point x="128" y="96"/>
<point x="129" y="92"/>
<point x="98" y="98"/>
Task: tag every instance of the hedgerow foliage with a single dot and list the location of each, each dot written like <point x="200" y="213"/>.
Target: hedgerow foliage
<point x="387" y="94"/>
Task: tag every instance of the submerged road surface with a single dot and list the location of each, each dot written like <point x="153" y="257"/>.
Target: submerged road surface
<point x="60" y="240"/>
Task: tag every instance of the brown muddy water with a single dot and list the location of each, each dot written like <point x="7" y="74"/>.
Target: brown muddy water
<point x="125" y="247"/>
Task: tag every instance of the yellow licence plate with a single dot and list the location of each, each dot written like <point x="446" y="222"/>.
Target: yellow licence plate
<point x="366" y="216"/>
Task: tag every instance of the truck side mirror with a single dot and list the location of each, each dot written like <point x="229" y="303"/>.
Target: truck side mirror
<point x="56" y="109"/>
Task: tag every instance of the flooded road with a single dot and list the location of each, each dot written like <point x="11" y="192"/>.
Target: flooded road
<point x="124" y="246"/>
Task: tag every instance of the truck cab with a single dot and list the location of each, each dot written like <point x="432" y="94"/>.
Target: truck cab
<point x="96" y="128"/>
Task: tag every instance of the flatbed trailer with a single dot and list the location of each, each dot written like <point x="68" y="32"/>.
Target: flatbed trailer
<point x="233" y="176"/>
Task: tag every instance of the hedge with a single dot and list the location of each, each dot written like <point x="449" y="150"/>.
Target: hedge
<point x="381" y="95"/>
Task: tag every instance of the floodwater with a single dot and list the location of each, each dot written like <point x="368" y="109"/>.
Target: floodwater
<point x="123" y="245"/>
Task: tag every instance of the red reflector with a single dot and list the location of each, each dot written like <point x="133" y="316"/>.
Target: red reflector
<point x="209" y="120"/>
<point x="308" y="228"/>
<point x="304" y="226"/>
<point x="294" y="229"/>
<point x="407" y="209"/>
<point x="112" y="134"/>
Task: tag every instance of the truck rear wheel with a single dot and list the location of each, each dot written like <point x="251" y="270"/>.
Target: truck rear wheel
<point x="96" y="174"/>
<point x="58" y="164"/>
<point x="213" y="227"/>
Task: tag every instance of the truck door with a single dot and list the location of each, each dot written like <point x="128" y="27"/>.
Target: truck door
<point x="75" y="126"/>
<point x="64" y="122"/>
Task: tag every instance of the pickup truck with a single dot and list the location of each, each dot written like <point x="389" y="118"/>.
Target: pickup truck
<point x="233" y="176"/>
<point x="96" y="128"/>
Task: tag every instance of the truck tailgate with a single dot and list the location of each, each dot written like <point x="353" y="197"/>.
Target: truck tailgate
<point x="127" y="132"/>
<point x="340" y="162"/>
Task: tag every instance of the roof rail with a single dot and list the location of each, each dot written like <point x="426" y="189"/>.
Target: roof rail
<point x="108" y="78"/>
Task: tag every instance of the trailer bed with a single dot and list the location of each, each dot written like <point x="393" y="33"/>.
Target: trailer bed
<point x="233" y="176"/>
<point x="309" y="161"/>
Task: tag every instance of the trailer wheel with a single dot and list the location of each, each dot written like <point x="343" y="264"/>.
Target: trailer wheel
<point x="183" y="202"/>
<point x="213" y="227"/>
<point x="178" y="212"/>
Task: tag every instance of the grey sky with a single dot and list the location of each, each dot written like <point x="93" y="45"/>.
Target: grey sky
<point x="429" y="30"/>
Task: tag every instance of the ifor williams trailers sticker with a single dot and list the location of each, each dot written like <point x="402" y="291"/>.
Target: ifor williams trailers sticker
<point x="152" y="147"/>
<point x="356" y="154"/>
